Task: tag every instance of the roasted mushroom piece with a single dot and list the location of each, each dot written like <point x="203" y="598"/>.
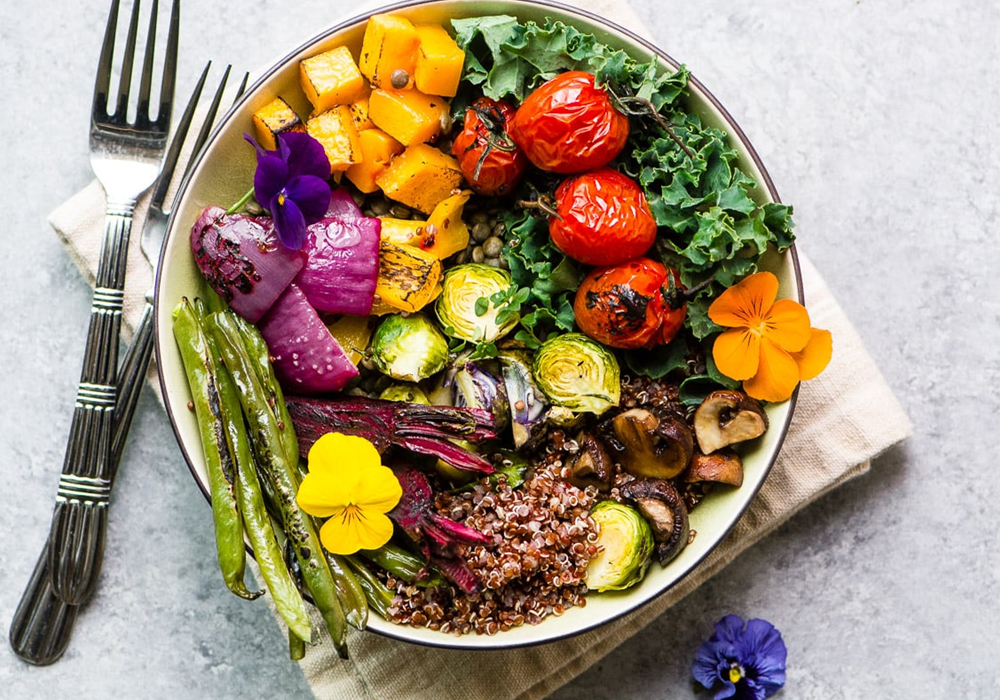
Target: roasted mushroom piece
<point x="663" y="507"/>
<point x="722" y="467"/>
<point x="654" y="445"/>
<point x="591" y="466"/>
<point x="726" y="417"/>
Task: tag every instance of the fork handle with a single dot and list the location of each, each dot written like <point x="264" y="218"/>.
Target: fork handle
<point x="80" y="516"/>
<point x="42" y="624"/>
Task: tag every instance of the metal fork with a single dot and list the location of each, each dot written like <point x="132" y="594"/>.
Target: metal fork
<point x="42" y="624"/>
<point x="125" y="156"/>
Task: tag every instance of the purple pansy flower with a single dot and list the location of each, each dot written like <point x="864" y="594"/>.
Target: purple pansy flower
<point x="292" y="183"/>
<point x="744" y="662"/>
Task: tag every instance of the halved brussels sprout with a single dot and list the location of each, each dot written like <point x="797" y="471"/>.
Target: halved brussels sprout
<point x="464" y="307"/>
<point x="477" y="388"/>
<point x="410" y="347"/>
<point x="405" y="393"/>
<point x="527" y="403"/>
<point x="626" y="542"/>
<point x="578" y="373"/>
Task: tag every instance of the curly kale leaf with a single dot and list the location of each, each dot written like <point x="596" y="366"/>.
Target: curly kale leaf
<point x="545" y="278"/>
<point x="507" y="59"/>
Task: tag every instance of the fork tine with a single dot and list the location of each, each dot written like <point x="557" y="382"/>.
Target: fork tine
<point x="102" y="85"/>
<point x="169" y="69"/>
<point x="174" y="151"/>
<point x="121" y="111"/>
<point x="242" y="88"/>
<point x="206" y="126"/>
<point x="142" y="111"/>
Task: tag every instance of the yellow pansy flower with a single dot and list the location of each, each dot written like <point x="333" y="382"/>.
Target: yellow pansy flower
<point x="348" y="485"/>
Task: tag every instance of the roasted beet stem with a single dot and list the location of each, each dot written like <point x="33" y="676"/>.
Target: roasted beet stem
<point x="423" y="429"/>
<point x="438" y="535"/>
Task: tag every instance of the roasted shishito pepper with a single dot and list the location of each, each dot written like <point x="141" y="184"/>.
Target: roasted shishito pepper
<point x="637" y="304"/>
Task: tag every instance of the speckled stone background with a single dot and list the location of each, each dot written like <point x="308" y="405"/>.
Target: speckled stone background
<point x="877" y="120"/>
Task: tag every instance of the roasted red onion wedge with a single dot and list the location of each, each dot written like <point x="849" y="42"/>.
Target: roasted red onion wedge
<point x="243" y="261"/>
<point x="306" y="358"/>
<point x="340" y="274"/>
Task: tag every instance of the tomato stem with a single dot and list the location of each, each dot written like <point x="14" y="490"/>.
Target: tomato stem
<point x="543" y="204"/>
<point x="649" y="109"/>
<point x="677" y="297"/>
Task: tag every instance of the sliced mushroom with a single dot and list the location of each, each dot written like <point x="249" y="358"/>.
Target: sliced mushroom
<point x="653" y="445"/>
<point x="726" y="417"/>
<point x="663" y="506"/>
<point x="722" y="466"/>
<point x="591" y="466"/>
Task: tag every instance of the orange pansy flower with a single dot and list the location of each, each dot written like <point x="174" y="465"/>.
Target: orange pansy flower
<point x="769" y="343"/>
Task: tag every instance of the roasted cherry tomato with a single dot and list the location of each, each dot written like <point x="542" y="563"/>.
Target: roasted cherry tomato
<point x="629" y="305"/>
<point x="568" y="125"/>
<point x="490" y="160"/>
<point x="602" y="218"/>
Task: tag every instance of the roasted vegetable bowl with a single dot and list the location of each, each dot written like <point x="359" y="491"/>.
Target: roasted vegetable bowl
<point x="509" y="331"/>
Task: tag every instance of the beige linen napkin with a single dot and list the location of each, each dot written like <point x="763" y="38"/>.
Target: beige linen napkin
<point x="844" y="418"/>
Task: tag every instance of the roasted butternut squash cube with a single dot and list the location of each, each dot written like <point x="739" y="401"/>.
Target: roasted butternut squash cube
<point x="331" y="78"/>
<point x="420" y="177"/>
<point x="390" y="44"/>
<point x="439" y="62"/>
<point x="377" y="149"/>
<point x="408" y="278"/>
<point x="409" y="116"/>
<point x="359" y="110"/>
<point x="335" y="130"/>
<point x="276" y="117"/>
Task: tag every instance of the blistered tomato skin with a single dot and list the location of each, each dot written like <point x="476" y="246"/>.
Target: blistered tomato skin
<point x="603" y="218"/>
<point x="569" y="125"/>
<point x="626" y="306"/>
<point x="491" y="162"/>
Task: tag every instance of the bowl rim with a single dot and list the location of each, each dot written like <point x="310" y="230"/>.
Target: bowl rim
<point x="735" y="131"/>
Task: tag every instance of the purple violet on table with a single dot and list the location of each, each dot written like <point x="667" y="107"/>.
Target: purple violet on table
<point x="742" y="661"/>
<point x="292" y="183"/>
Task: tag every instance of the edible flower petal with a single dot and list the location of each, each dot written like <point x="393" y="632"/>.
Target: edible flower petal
<point x="348" y="485"/>
<point x="777" y="374"/>
<point x="815" y="356"/>
<point x="769" y="343"/>
<point x="741" y="661"/>
<point x="292" y="183"/>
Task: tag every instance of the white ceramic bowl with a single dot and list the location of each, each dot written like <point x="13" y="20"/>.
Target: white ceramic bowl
<point x="223" y="174"/>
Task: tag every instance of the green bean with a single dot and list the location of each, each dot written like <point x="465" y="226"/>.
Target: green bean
<point x="260" y="356"/>
<point x="378" y="594"/>
<point x="210" y="301"/>
<point x="403" y="564"/>
<point x="276" y="467"/>
<point x="202" y="379"/>
<point x="349" y="590"/>
<point x="259" y="528"/>
<point x="296" y="647"/>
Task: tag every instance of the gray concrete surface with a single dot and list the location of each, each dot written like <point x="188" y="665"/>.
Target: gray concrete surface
<point x="878" y="121"/>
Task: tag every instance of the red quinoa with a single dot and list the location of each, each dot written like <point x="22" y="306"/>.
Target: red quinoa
<point x="543" y="540"/>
